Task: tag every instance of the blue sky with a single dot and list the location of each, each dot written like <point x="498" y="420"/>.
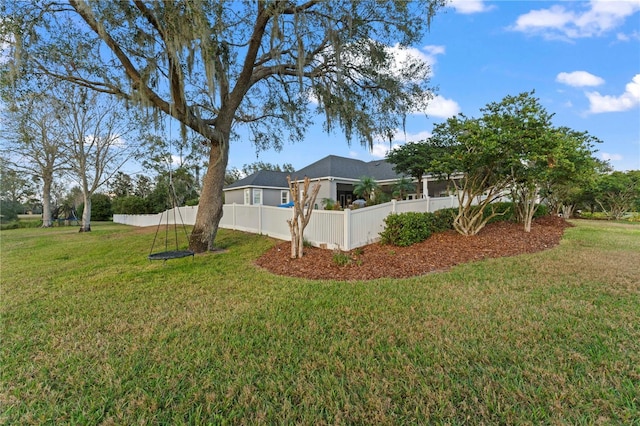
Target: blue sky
<point x="582" y="58"/>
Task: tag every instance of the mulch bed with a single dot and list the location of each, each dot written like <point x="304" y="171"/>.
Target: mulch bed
<point x="439" y="252"/>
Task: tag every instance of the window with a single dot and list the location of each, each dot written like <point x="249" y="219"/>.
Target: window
<point x="247" y="196"/>
<point x="257" y="196"/>
<point x="284" y="197"/>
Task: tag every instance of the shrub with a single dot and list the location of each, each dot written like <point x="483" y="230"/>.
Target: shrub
<point x="406" y="229"/>
<point x="9" y="211"/>
<point x="131" y="204"/>
<point x="543" y="210"/>
<point x="443" y="219"/>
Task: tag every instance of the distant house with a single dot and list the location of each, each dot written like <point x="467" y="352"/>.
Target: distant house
<point x="263" y="187"/>
<point x="337" y="177"/>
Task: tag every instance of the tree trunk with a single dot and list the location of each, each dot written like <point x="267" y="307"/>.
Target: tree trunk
<point x="567" y="211"/>
<point x="211" y="201"/>
<point x="301" y="243"/>
<point x="86" y="215"/>
<point x="293" y="228"/>
<point x="419" y="188"/>
<point x="46" y="203"/>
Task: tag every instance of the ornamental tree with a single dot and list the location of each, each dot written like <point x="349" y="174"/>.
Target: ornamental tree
<point x="304" y="198"/>
<point x="617" y="193"/>
<point x="213" y="65"/>
<point x="573" y="170"/>
<point x="471" y="148"/>
<point x="412" y="159"/>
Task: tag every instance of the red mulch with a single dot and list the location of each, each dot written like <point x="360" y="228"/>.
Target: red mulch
<point x="439" y="252"/>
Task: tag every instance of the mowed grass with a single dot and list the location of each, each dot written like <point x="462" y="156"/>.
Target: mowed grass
<point x="94" y="333"/>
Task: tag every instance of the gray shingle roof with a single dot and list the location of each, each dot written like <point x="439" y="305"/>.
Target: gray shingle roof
<point x="262" y="178"/>
<point x="330" y="166"/>
<point x="348" y="168"/>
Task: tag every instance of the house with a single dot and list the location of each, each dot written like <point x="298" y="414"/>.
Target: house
<point x="337" y="177"/>
<point x="263" y="187"/>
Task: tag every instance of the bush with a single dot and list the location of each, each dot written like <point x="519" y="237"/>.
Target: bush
<point x="131" y="204"/>
<point x="543" y="210"/>
<point x="406" y="229"/>
<point x="443" y="219"/>
<point x="507" y="208"/>
<point x="9" y="211"/>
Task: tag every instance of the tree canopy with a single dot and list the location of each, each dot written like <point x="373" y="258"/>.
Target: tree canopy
<point x="412" y="159"/>
<point x="512" y="148"/>
<point x="272" y="65"/>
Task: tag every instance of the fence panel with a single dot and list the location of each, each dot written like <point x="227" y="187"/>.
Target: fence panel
<point x="439" y="203"/>
<point x="345" y="230"/>
<point x="419" y="205"/>
<point x="366" y="224"/>
<point x="274" y="222"/>
<point x="247" y="218"/>
<point x="137" y="219"/>
<point x="326" y="229"/>
<point x="228" y="216"/>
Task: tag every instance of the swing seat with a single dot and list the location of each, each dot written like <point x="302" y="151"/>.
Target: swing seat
<point x="172" y="254"/>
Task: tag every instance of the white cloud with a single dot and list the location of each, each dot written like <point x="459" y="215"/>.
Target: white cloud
<point x="605" y="103"/>
<point x="176" y="160"/>
<point x="610" y="157"/>
<point x="442" y="107"/>
<point x="429" y="53"/>
<point x="635" y="35"/>
<point x="561" y="22"/>
<point x="426" y="55"/>
<point x="469" y="6"/>
<point x="381" y="147"/>
<point x="579" y="79"/>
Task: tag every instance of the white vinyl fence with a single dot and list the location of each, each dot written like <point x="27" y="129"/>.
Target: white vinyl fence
<point x="343" y="230"/>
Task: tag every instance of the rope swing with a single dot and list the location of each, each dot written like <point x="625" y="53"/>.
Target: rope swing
<point x="169" y="218"/>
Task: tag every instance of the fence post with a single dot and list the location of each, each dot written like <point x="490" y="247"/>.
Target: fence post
<point x="347" y="230"/>
<point x="393" y="206"/>
<point x="233" y="214"/>
<point x="259" y="219"/>
<point x="428" y="203"/>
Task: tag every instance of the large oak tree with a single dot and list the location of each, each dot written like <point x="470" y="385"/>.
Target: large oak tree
<point x="272" y="65"/>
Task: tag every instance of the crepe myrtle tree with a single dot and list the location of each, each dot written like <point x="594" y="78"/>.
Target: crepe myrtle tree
<point x="413" y="160"/>
<point x="512" y="147"/>
<point x="273" y="66"/>
<point x="304" y="198"/>
<point x="617" y="193"/>
<point x="573" y="171"/>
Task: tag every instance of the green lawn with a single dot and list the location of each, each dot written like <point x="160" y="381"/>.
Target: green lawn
<point x="94" y="333"/>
